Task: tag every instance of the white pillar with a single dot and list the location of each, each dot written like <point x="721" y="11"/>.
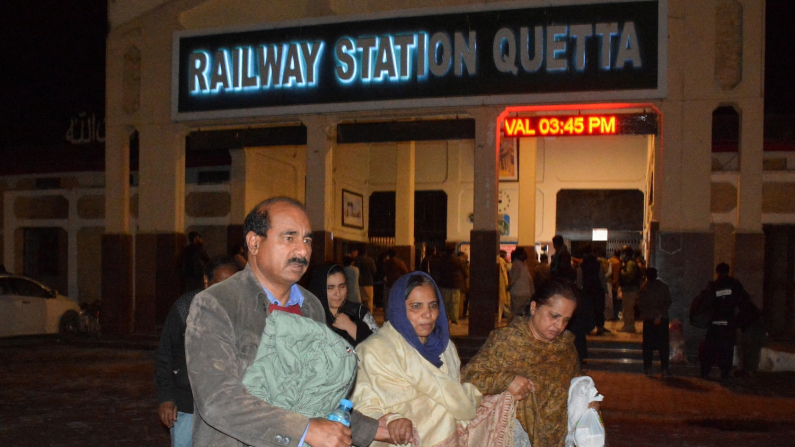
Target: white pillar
<point x="161" y="187"/>
<point x="749" y="181"/>
<point x="527" y="191"/>
<point x="320" y="140"/>
<point x="404" y="195"/>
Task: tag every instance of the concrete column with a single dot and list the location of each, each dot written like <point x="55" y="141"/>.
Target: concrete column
<point x="404" y="203"/>
<point x="528" y="148"/>
<point x="749" y="240"/>
<point x="117" y="180"/>
<point x="161" y="224"/>
<point x="485" y="236"/>
<point x="685" y="243"/>
<point x="320" y="141"/>
<point x="117" y="242"/>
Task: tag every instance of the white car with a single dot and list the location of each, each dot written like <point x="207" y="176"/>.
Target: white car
<point x="28" y="307"/>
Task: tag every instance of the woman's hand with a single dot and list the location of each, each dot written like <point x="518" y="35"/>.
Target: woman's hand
<point x="595" y="405"/>
<point x="345" y="323"/>
<point x="400" y="430"/>
<point x="521" y="387"/>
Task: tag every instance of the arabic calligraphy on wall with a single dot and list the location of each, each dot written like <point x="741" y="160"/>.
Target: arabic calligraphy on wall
<point x="85" y="128"/>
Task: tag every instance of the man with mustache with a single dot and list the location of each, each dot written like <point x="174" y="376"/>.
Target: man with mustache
<point x="225" y="326"/>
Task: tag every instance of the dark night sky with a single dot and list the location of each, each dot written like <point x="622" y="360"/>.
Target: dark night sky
<point x="52" y="66"/>
<point x="780" y="57"/>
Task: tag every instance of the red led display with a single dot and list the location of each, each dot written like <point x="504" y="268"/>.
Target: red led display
<point x="579" y="125"/>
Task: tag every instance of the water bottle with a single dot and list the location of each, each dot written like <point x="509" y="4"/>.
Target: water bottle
<point x="342" y="414"/>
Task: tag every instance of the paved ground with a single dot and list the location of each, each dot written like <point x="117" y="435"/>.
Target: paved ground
<point x="53" y="394"/>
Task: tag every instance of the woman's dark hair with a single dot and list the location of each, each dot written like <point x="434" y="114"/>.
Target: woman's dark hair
<point x="416" y="281"/>
<point x="336" y="268"/>
<point x="547" y="289"/>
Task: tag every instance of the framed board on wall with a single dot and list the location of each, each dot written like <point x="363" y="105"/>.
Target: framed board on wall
<point x="509" y="160"/>
<point x="352" y="209"/>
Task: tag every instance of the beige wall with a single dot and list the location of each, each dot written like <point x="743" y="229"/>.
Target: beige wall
<point x="439" y="165"/>
<point x="585" y="163"/>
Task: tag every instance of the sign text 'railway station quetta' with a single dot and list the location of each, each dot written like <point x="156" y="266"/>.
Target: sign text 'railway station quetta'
<point x="589" y="47"/>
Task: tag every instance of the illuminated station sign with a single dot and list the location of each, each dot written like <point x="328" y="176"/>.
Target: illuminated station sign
<point x="579" y="125"/>
<point x="463" y="56"/>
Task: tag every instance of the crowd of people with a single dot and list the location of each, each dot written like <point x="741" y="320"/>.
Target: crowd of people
<point x="239" y="366"/>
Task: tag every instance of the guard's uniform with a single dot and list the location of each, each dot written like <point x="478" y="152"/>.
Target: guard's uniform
<point x="731" y="308"/>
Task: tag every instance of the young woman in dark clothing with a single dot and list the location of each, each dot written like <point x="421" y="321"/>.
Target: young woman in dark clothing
<point x="349" y="320"/>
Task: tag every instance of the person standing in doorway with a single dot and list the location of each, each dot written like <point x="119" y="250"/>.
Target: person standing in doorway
<point x="193" y="262"/>
<point x="352" y="277"/>
<point x="541" y="272"/>
<point x="504" y="283"/>
<point x="630" y="283"/>
<point x="367" y="271"/>
<point x="615" y="283"/>
<point x="520" y="284"/>
<point x="593" y="287"/>
<point x="654" y="300"/>
<point x="561" y="268"/>
<point x="464" y="260"/>
<point x="451" y="280"/>
<point x="394" y="268"/>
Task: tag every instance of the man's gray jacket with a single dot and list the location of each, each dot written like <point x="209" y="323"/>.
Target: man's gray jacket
<point x="225" y="325"/>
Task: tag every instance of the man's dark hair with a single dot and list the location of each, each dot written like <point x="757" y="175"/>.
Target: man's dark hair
<point x="193" y="235"/>
<point x="519" y="254"/>
<point x="544" y="258"/>
<point x="651" y="274"/>
<point x="258" y="219"/>
<point x="391" y="252"/>
<point x="557" y="240"/>
<point x="347" y="260"/>
<point x="628" y="251"/>
<point x="722" y="269"/>
<point x="617" y="253"/>
<point x="218" y="262"/>
<point x="586" y="249"/>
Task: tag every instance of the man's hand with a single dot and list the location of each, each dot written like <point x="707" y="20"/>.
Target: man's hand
<point x="595" y="405"/>
<point x="400" y="430"/>
<point x="521" y="387"/>
<point x="168" y="413"/>
<point x="325" y="433"/>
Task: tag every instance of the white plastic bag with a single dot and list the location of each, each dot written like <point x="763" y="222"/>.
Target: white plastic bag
<point x="590" y="432"/>
<point x="581" y="393"/>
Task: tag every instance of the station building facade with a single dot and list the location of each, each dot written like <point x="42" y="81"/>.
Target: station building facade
<point x="485" y="124"/>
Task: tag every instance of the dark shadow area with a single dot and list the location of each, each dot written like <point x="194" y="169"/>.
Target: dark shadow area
<point x="686" y="384"/>
<point x="768" y="384"/>
<point x="735" y="425"/>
